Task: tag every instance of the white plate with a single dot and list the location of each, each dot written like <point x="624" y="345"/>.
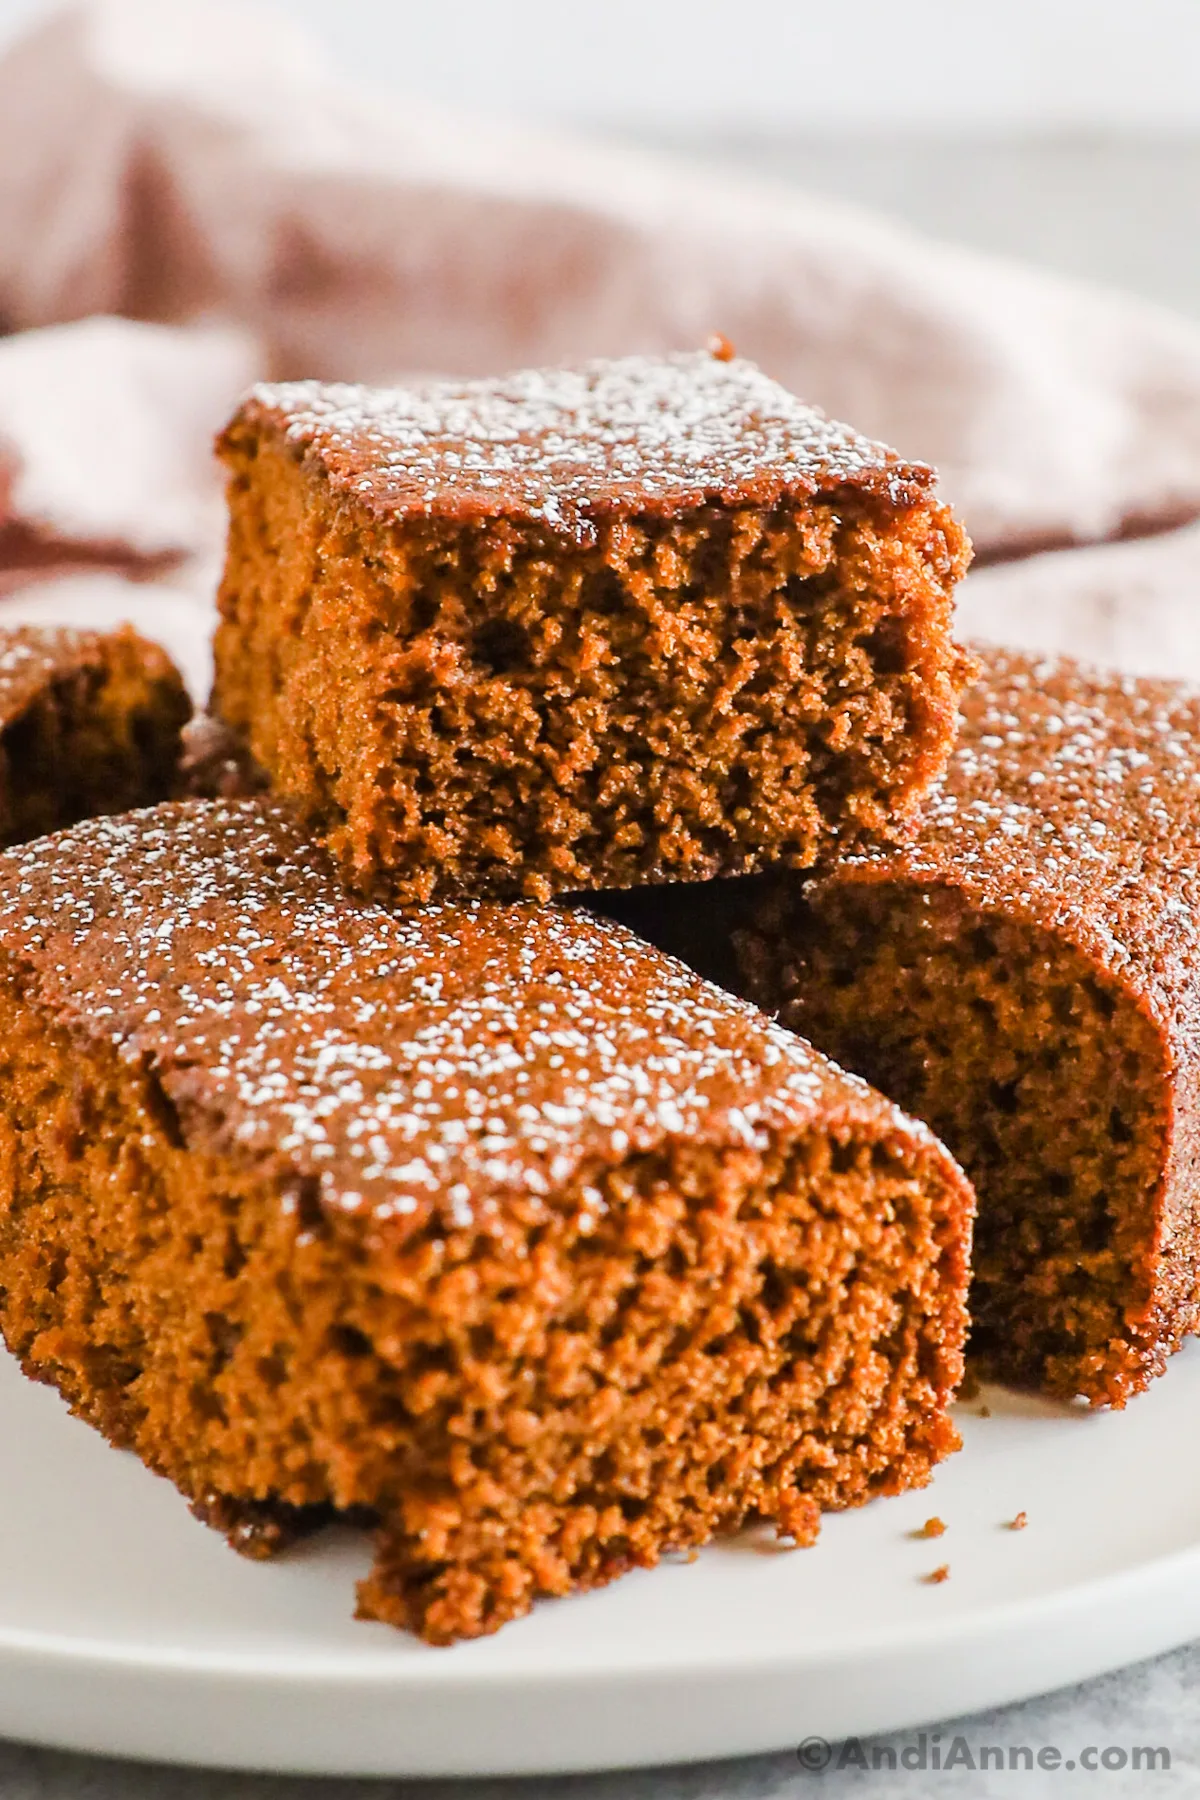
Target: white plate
<point x="126" y="1627"/>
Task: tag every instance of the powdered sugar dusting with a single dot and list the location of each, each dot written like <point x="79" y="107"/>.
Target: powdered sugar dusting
<point x="1073" y="798"/>
<point x="432" y="1061"/>
<point x="570" y="446"/>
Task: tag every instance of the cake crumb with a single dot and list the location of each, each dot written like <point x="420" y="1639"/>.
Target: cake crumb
<point x="932" y="1528"/>
<point x="940" y="1574"/>
<point x="799" y="1518"/>
<point x="985" y="1412"/>
<point x="1019" y="1523"/>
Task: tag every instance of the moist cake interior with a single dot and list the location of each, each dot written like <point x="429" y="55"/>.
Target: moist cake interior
<point x="1042" y="1077"/>
<point x="95" y="739"/>
<point x="683" y="697"/>
<point x="690" y="1338"/>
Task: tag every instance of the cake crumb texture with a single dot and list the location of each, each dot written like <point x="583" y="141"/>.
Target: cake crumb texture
<point x="1024" y="976"/>
<point x="89" y="723"/>
<point x="489" y="1224"/>
<point x="641" y="621"/>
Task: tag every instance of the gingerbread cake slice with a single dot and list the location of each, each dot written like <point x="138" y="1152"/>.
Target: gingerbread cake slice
<point x="90" y="722"/>
<point x="640" y="621"/>
<point x="1026" y="977"/>
<point x="489" y="1220"/>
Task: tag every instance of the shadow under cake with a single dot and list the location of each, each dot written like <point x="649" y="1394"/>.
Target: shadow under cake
<point x="90" y="723"/>
<point x="639" y="621"/>
<point x="1025" y="976"/>
<point x="490" y="1220"/>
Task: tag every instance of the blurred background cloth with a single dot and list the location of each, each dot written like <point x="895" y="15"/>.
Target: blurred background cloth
<point x="190" y="198"/>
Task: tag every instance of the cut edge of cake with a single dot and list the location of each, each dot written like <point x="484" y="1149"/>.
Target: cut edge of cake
<point x="637" y="622"/>
<point x="730" y="1283"/>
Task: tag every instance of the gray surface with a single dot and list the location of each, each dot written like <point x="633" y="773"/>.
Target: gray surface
<point x="1125" y="215"/>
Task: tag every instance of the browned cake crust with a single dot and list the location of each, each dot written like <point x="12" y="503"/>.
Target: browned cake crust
<point x="1026" y="976"/>
<point x="490" y="1220"/>
<point x="641" y="621"/>
<point x="89" y="723"/>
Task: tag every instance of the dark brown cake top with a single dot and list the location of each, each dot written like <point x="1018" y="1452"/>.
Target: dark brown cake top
<point x="32" y="656"/>
<point x="414" y="1064"/>
<point x="570" y="447"/>
<point x="1073" y="798"/>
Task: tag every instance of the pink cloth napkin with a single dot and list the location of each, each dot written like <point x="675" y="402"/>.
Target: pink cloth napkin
<point x="1133" y="605"/>
<point x="106" y="439"/>
<point x="195" y="165"/>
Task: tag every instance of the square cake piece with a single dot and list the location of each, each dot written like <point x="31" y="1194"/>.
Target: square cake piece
<point x="490" y="1223"/>
<point x="640" y="621"/>
<point x="90" y="722"/>
<point x="1026" y="977"/>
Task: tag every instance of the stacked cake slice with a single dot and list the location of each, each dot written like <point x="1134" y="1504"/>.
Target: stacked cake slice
<point x="639" y="622"/>
<point x="483" y="1220"/>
